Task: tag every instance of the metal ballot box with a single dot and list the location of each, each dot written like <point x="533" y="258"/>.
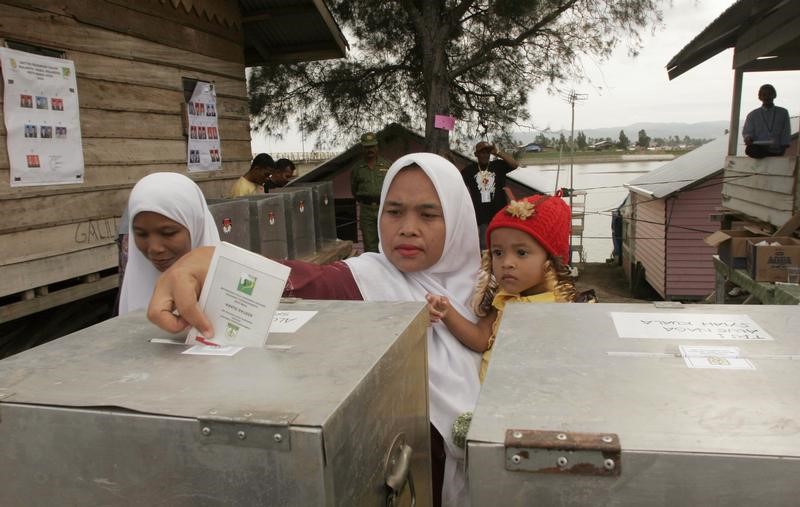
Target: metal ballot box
<point x="232" y="217"/>
<point x="639" y="405"/>
<point x="299" y="206"/>
<point x="268" y="225"/>
<point x="325" y="416"/>
<point x="324" y="211"/>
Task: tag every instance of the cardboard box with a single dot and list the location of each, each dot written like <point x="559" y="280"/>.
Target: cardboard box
<point x="732" y="246"/>
<point x="767" y="263"/>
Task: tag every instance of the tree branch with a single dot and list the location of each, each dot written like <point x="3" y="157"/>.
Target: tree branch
<point x="484" y="54"/>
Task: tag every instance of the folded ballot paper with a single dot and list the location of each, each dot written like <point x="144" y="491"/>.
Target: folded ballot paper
<point x="240" y="295"/>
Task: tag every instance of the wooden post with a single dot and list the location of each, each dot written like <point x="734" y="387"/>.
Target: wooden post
<point x="719" y="280"/>
<point x="736" y="107"/>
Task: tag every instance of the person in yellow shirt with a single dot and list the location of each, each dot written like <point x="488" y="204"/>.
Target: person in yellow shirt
<point x="253" y="181"/>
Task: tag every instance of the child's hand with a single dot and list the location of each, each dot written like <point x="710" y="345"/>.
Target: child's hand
<point x="437" y="307"/>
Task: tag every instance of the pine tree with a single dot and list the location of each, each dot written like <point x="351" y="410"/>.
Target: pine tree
<point x="580" y="140"/>
<point x="644" y="140"/>
<point x="410" y="60"/>
<point x="623" y="142"/>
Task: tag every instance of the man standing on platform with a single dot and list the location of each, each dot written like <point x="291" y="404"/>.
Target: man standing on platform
<point x="486" y="182"/>
<point x="366" y="180"/>
<point x="766" y="130"/>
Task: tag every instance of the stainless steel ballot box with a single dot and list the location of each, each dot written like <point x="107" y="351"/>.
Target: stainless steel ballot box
<point x="232" y="217"/>
<point x="639" y="405"/>
<point x="268" y="225"/>
<point x="299" y="205"/>
<point x="325" y="416"/>
<point x="324" y="211"/>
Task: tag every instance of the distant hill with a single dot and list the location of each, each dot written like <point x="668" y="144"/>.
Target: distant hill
<point x="702" y="130"/>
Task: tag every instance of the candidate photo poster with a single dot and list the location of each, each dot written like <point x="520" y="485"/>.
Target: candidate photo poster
<point x="204" y="152"/>
<point x="41" y="113"/>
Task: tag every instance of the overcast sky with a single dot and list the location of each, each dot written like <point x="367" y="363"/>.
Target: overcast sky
<point x="627" y="90"/>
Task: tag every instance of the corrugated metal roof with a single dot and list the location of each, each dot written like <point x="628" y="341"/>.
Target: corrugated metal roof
<point x="543" y="182"/>
<point x="334" y="165"/>
<point x="281" y="31"/>
<point x="743" y="20"/>
<point x="686" y="170"/>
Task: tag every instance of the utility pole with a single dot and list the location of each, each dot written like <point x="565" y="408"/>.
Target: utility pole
<point x="303" y="137"/>
<point x="572" y="97"/>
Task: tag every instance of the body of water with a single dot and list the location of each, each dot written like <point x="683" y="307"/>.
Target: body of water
<point x="603" y="183"/>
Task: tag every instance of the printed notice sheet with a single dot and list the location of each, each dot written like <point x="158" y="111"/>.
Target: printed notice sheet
<point x="687" y="326"/>
<point x="714" y="358"/>
<point x="40" y="107"/>
<point x="240" y="296"/>
<point x="204" y="145"/>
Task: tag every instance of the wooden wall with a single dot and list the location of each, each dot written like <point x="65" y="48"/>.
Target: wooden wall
<point x="690" y="270"/>
<point x="130" y="58"/>
<point x="649" y="239"/>
<point x="765" y="189"/>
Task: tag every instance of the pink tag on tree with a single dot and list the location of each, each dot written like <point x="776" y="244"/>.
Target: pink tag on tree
<point x="444" y="122"/>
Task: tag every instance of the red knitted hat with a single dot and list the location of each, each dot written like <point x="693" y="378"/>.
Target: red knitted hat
<point x="547" y="219"/>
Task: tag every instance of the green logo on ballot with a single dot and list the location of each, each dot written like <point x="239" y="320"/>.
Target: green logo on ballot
<point x="246" y="284"/>
<point x="231" y="330"/>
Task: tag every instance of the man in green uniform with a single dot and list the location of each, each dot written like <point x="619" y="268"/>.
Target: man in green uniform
<point x="366" y="180"/>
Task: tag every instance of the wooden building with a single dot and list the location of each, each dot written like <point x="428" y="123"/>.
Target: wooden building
<point x="135" y="62"/>
<point x="667" y="219"/>
<point x="765" y="37"/>
<point x="394" y="141"/>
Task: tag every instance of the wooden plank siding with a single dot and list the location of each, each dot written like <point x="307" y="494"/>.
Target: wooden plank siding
<point x="689" y="266"/>
<point x="649" y="217"/>
<point x="765" y="189"/>
<point x="130" y="59"/>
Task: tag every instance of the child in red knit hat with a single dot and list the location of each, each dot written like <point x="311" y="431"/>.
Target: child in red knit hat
<point x="526" y="260"/>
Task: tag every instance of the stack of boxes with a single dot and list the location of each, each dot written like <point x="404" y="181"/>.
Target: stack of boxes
<point x="288" y="223"/>
<point x="766" y="258"/>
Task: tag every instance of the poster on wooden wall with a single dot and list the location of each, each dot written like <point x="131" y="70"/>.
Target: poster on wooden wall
<point x="204" y="152"/>
<point x="42" y="119"/>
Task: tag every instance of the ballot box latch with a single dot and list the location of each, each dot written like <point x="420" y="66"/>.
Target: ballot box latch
<point x="563" y="452"/>
<point x="246" y="429"/>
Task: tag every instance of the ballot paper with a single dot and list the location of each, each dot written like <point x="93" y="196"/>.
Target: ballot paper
<point x="240" y="295"/>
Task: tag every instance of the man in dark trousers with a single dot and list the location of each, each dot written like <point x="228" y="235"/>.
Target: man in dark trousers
<point x="766" y="130"/>
<point x="366" y="180"/>
<point x="486" y="182"/>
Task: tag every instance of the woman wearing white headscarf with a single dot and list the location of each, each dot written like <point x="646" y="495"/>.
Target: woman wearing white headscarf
<point x="436" y="251"/>
<point x="168" y="217"/>
<point x="452" y="385"/>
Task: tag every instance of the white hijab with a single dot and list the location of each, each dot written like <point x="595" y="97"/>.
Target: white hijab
<point x="452" y="367"/>
<point x="178" y="198"/>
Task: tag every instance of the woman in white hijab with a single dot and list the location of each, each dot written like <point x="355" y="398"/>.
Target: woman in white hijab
<point x="168" y="217"/>
<point x="452" y="384"/>
<point x="428" y="244"/>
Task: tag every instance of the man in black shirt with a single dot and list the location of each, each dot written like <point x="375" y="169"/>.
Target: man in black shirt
<point x="486" y="182"/>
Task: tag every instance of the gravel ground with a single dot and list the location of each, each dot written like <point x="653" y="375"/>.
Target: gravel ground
<point x="609" y="283"/>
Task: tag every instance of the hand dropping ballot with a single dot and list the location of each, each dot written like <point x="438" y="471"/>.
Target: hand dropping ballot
<point x="240" y="296"/>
